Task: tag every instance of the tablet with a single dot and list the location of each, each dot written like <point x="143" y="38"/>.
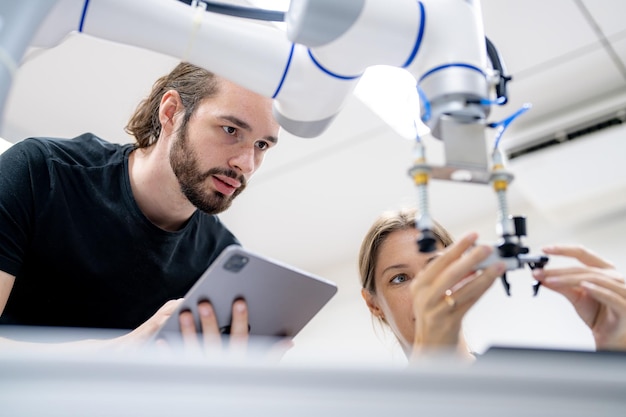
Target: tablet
<point x="281" y="299"/>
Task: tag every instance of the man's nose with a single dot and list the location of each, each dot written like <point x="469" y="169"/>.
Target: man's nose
<point x="243" y="161"/>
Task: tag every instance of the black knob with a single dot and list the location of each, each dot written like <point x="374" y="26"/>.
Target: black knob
<point x="519" y="223"/>
<point x="427" y="242"/>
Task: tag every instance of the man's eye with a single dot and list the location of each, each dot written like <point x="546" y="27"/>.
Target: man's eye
<point x="262" y="145"/>
<point x="230" y="130"/>
<point x="399" y="279"/>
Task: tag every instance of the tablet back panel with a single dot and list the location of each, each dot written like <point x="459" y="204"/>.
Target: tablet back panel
<point x="281" y="299"/>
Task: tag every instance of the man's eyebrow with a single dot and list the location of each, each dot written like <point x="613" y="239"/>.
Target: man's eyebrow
<point x="245" y="126"/>
<point x="237" y="121"/>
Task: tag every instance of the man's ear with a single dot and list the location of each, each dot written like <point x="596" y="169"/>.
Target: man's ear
<point x="169" y="106"/>
<point x="372" y="303"/>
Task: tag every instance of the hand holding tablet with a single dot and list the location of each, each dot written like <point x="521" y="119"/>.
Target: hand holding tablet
<point x="280" y="299"/>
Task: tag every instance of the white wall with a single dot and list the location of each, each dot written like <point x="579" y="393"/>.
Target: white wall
<point x="4" y="145"/>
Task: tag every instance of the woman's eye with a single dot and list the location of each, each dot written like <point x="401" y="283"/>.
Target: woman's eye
<point x="399" y="279"/>
<point x="230" y="130"/>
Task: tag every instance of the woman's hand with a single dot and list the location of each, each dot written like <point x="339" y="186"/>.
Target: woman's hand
<point x="596" y="290"/>
<point x="446" y="289"/>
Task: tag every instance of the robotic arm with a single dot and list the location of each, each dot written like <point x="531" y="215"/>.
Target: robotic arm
<point x="311" y="71"/>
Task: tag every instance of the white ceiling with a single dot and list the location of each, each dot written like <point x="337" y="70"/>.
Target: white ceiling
<point x="310" y="202"/>
<point x="313" y="199"/>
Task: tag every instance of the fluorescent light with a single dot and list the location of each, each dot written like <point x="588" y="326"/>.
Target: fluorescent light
<point x="391" y="93"/>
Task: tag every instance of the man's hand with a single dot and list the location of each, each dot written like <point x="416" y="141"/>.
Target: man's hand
<point x="208" y="338"/>
<point x="144" y="333"/>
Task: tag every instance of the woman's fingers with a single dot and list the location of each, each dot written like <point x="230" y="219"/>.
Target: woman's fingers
<point x="581" y="253"/>
<point x="456" y="263"/>
<point x="453" y="270"/>
<point x="468" y="291"/>
<point x="607" y="293"/>
<point x="467" y="264"/>
<point x="447" y="257"/>
<point x="572" y="276"/>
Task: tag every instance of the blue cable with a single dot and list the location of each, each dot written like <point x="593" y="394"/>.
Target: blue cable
<point x="418" y="139"/>
<point x="498" y="102"/>
<point x="503" y="124"/>
<point x="425" y="102"/>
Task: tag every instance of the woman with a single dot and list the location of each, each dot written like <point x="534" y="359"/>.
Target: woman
<point x="423" y="297"/>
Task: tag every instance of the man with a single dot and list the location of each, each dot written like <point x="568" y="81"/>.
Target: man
<point x="102" y="235"/>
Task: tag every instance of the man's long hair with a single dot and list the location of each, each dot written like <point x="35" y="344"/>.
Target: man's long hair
<point x="193" y="85"/>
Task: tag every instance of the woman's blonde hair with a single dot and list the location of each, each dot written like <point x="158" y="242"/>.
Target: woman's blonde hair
<point x="384" y="225"/>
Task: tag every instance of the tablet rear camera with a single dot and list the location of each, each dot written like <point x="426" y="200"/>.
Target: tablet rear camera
<point x="236" y="263"/>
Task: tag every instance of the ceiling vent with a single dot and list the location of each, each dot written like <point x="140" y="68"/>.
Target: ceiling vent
<point x="581" y="131"/>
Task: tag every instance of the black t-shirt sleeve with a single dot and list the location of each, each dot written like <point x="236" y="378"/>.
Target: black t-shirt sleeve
<point x="23" y="179"/>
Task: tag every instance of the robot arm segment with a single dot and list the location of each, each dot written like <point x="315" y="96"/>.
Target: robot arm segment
<point x="255" y="56"/>
<point x="252" y="55"/>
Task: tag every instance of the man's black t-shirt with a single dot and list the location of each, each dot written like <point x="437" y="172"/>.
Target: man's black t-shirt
<point x="82" y="252"/>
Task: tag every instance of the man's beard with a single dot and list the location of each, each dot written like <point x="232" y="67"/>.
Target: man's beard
<point x="193" y="182"/>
